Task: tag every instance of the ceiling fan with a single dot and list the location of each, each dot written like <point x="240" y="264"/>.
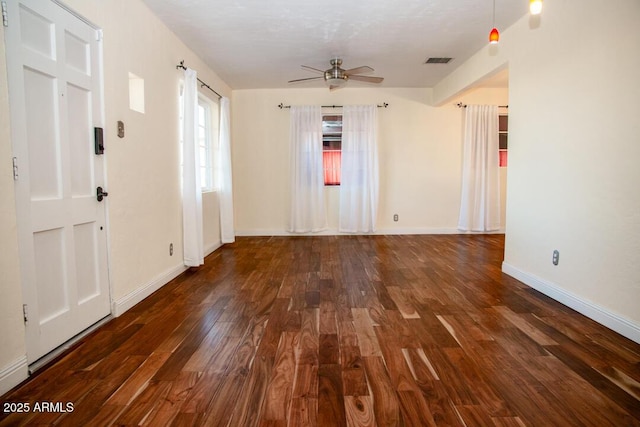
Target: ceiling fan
<point x="335" y="77"/>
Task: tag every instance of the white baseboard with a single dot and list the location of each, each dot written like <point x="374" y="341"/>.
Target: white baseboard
<point x="619" y="324"/>
<point x="13" y="374"/>
<point x="123" y="304"/>
<point x="383" y="231"/>
<point x="417" y="230"/>
<point x="431" y="230"/>
<point x="265" y="232"/>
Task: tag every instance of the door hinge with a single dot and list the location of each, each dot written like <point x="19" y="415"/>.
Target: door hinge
<point x="15" y="168"/>
<point x="98" y="35"/>
<point x="25" y="313"/>
<point x="5" y="14"/>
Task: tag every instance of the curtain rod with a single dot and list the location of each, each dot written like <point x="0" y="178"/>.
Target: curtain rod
<point x="202" y="84"/>
<point x="281" y="106"/>
<point x="461" y="105"/>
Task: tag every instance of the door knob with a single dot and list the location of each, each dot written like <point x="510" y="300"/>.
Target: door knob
<point x="101" y="194"/>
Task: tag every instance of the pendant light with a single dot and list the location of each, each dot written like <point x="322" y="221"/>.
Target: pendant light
<point x="535" y="7"/>
<point x="494" y="35"/>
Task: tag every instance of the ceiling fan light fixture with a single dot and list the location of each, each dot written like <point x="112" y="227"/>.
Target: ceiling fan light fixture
<point x="335" y="77"/>
<point x="494" y="36"/>
<point x="535" y="7"/>
<point x="336" y="81"/>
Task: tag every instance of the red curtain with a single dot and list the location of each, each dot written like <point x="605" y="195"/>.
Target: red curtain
<point x="503" y="160"/>
<point x="332" y="161"/>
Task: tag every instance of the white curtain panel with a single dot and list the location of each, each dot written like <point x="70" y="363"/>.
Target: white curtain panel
<point x="480" y="200"/>
<point x="359" y="180"/>
<point x="191" y="189"/>
<point x="227" y="233"/>
<point x="308" y="212"/>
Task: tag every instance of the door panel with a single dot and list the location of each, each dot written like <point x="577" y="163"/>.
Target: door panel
<point x="51" y="275"/>
<point x="86" y="237"/>
<point x="37" y="32"/>
<point x="78" y="53"/>
<point x="79" y="101"/>
<point x="44" y="155"/>
<point x="54" y="72"/>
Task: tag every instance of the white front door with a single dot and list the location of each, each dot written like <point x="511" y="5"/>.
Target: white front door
<point x="55" y="83"/>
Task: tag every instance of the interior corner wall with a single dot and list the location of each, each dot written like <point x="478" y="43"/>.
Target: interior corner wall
<point x="143" y="175"/>
<point x="419" y="154"/>
<point x="574" y="145"/>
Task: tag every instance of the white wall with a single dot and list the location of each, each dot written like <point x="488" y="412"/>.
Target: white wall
<point x="574" y="148"/>
<point x="144" y="206"/>
<point x="419" y="152"/>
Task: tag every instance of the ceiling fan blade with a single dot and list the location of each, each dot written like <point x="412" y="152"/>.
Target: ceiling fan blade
<point x="359" y="70"/>
<point x="302" y="80"/>
<point x="315" y="70"/>
<point x="367" y="79"/>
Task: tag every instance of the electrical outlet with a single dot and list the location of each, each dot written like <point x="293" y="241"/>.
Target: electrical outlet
<point x="170" y="249"/>
<point x="395" y="217"/>
<point x="556" y="257"/>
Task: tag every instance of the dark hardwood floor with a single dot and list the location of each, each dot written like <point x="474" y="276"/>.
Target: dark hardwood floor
<point x="344" y="331"/>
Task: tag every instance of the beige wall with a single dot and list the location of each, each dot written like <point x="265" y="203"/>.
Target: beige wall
<point x="579" y="118"/>
<point x="574" y="147"/>
<point x="144" y="206"/>
<point x="419" y="153"/>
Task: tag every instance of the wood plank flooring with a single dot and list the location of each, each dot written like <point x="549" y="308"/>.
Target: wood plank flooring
<point x="344" y="331"/>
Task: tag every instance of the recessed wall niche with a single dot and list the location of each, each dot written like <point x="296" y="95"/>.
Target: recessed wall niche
<point x="136" y="93"/>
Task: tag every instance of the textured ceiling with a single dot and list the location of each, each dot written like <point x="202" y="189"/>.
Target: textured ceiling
<point x="262" y="43"/>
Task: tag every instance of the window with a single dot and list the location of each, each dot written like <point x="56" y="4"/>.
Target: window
<point x="331" y="148"/>
<point x="208" y="118"/>
<point x="214" y="144"/>
<point x="503" y="131"/>
<point x="204" y="145"/>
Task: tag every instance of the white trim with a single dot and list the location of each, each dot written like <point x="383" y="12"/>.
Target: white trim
<point x="125" y="303"/>
<point x="13" y="374"/>
<point x="619" y="324"/>
<point x="76" y="14"/>
<point x="421" y="230"/>
<point x="383" y="231"/>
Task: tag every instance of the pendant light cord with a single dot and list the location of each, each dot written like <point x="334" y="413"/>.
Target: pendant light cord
<point x="494" y="13"/>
